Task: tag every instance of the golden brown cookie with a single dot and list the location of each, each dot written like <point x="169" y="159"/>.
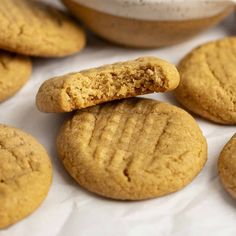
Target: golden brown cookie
<point x="132" y="149"/>
<point x="208" y="81"/>
<point x="36" y="29"/>
<point x="227" y="166"/>
<point x="120" y="80"/>
<point x="25" y="175"/>
<point x="15" y="70"/>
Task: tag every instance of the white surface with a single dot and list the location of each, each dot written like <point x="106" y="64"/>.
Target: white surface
<point x="159" y="9"/>
<point x="203" y="208"/>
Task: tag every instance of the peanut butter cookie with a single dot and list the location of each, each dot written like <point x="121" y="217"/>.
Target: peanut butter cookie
<point x="36" y="29"/>
<point x="132" y="149"/>
<point x="120" y="80"/>
<point x="25" y="175"/>
<point x="15" y="70"/>
<point x="227" y="166"/>
<point x="208" y="81"/>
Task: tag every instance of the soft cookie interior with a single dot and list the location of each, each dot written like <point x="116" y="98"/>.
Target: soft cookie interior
<point x="116" y="81"/>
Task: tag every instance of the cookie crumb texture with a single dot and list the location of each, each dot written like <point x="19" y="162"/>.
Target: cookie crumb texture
<point x="120" y="80"/>
<point x="132" y="149"/>
<point x="227" y="166"/>
<point x="15" y="71"/>
<point x="208" y="81"/>
<point x="25" y="175"/>
<point x="36" y="29"/>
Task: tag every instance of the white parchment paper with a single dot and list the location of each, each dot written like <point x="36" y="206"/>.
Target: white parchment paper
<point x="202" y="208"/>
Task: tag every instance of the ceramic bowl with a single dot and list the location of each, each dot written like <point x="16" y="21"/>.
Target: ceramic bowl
<point x="149" y="23"/>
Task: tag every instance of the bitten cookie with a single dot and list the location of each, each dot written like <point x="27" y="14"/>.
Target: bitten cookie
<point x="120" y="80"/>
<point x="15" y="70"/>
<point x="36" y="29"/>
<point x="208" y="81"/>
<point x="227" y="166"/>
<point x="25" y="175"/>
<point x="132" y="149"/>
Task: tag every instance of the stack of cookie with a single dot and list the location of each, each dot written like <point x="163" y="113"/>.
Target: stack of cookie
<point x="113" y="144"/>
<point x="130" y="149"/>
<point x="136" y="148"/>
<point x="34" y="29"/>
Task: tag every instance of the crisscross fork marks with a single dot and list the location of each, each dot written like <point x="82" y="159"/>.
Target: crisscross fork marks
<point x="106" y="135"/>
<point x="222" y="67"/>
<point x="127" y="127"/>
<point x="131" y="138"/>
<point x="24" y="163"/>
<point x="120" y="171"/>
<point x="158" y="139"/>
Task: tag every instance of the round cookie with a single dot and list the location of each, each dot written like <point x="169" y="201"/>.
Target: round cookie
<point x="106" y="83"/>
<point x="132" y="149"/>
<point x="25" y="175"/>
<point x="36" y="29"/>
<point x="15" y="70"/>
<point x="208" y="81"/>
<point x="227" y="166"/>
